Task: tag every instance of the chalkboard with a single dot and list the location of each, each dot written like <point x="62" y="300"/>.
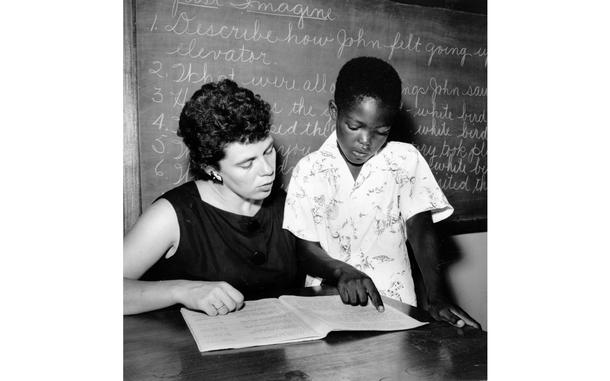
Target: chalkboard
<point x="290" y="52"/>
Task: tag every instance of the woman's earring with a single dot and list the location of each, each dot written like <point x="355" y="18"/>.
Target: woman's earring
<point x="216" y="177"/>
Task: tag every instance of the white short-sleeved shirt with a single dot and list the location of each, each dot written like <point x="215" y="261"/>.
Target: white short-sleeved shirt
<point x="362" y="222"/>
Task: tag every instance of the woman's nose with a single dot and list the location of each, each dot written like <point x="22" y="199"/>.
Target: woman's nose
<point x="268" y="167"/>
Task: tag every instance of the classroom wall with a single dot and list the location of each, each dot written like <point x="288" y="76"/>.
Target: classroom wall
<point x="467" y="277"/>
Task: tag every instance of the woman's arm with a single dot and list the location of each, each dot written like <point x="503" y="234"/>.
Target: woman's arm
<point x="426" y="248"/>
<point x="355" y="287"/>
<point x="142" y="296"/>
<point x="213" y="298"/>
<point x="155" y="234"/>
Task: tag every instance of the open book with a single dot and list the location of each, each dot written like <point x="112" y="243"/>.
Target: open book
<point x="290" y="319"/>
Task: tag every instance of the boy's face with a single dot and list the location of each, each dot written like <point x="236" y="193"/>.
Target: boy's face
<point x="363" y="129"/>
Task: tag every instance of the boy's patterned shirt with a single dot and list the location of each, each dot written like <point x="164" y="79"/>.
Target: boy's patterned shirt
<point x="362" y="222"/>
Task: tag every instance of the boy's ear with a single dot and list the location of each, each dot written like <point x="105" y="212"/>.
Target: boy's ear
<point x="332" y="109"/>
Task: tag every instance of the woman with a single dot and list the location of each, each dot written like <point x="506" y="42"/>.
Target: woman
<point x="207" y="242"/>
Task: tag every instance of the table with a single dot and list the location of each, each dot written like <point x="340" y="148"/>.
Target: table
<point x="158" y="346"/>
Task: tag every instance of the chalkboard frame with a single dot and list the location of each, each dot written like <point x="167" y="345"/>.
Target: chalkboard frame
<point x="132" y="198"/>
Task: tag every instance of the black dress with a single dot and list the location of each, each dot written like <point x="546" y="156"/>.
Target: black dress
<point x="252" y="254"/>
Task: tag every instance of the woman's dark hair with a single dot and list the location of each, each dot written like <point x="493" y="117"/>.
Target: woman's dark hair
<point x="218" y="114"/>
<point x="367" y="77"/>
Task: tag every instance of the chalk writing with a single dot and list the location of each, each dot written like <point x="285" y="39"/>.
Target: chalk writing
<point x="160" y="146"/>
<point x="458" y="184"/>
<point x="182" y="150"/>
<point x="308" y="128"/>
<point x="472" y="132"/>
<point x="188" y="74"/>
<point x="280" y="129"/>
<point x="318" y="85"/>
<point x="475" y="91"/>
<point x="159" y="121"/>
<point x="213" y="4"/>
<point x="190" y="26"/>
<point x="413" y="44"/>
<point x="158" y="172"/>
<point x="481" y="185"/>
<point x="442" y="113"/>
<point x="472" y="117"/>
<point x="153" y="26"/>
<point x="344" y="40"/>
<point x="156" y="71"/>
<point x="277" y="82"/>
<point x="288" y="153"/>
<point x="481" y="52"/>
<point x="296" y="149"/>
<point x="290" y="52"/>
<point x="315" y="129"/>
<point x="299" y="11"/>
<point x="414" y="91"/>
<point x="198" y="74"/>
<point x="304" y="39"/>
<point x="276" y="109"/>
<point x="450" y="165"/>
<point x="442" y="89"/>
<point x="435" y="87"/>
<point x="433" y="129"/>
<point x="179" y="97"/>
<point x="299" y="108"/>
<point x="479" y="168"/>
<point x="242" y="55"/>
<point x="157" y="95"/>
<point x="440" y="50"/>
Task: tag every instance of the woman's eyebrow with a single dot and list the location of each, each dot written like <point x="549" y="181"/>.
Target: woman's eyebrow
<point x="246" y="160"/>
<point x="254" y="157"/>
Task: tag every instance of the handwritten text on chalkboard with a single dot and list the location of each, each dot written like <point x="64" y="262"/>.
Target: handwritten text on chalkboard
<point x="290" y="53"/>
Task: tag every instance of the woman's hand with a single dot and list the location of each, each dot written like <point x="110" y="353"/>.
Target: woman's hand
<point x="213" y="298"/>
<point x="452" y="314"/>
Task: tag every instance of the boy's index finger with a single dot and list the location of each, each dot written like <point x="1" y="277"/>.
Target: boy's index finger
<point x="375" y="298"/>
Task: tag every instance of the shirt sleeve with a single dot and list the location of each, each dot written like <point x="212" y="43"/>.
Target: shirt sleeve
<point x="420" y="191"/>
<point x="298" y="215"/>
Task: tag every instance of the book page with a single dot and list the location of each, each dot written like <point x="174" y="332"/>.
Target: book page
<point x="259" y="322"/>
<point x="344" y="317"/>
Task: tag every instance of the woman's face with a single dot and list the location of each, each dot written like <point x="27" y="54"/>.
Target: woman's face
<point x="249" y="169"/>
<point x="362" y="129"/>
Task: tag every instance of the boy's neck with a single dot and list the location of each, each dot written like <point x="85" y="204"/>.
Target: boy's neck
<point x="354" y="169"/>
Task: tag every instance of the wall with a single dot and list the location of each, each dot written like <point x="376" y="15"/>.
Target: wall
<point x="468" y="276"/>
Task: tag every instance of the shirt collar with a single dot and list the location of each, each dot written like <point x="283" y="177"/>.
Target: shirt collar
<point x="330" y="144"/>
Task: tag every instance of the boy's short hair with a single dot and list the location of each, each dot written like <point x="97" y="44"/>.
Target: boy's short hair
<point x="367" y="77"/>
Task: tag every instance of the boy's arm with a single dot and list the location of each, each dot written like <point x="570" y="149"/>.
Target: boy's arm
<point x="355" y="287"/>
<point x="426" y="247"/>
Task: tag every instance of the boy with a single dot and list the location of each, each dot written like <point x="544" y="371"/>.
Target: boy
<point x="359" y="196"/>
